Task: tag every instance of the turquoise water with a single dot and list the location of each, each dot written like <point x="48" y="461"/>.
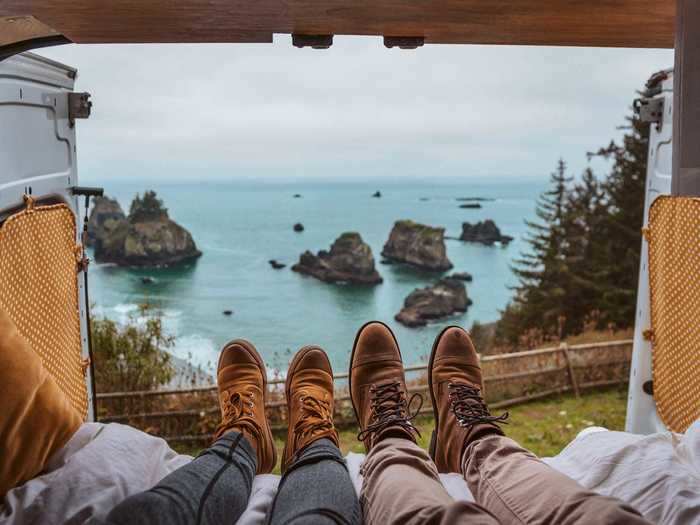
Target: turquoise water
<point x="239" y="226"/>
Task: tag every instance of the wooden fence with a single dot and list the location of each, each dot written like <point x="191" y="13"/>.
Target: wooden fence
<point x="190" y="415"/>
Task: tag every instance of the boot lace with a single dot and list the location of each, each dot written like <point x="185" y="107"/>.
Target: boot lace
<point x="469" y="407"/>
<point x="237" y="408"/>
<point x="317" y="417"/>
<point x="390" y="408"/>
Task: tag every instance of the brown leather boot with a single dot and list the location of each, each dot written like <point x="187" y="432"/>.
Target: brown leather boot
<point x="242" y="381"/>
<point x="378" y="386"/>
<point x="309" y="390"/>
<point x="456" y="390"/>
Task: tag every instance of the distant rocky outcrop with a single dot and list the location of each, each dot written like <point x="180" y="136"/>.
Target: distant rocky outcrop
<point x="444" y="298"/>
<point x="471" y="205"/>
<point x="298" y="227"/>
<point x="476" y="199"/>
<point x="418" y="245"/>
<point x="377" y="194"/>
<point x="461" y="276"/>
<point x="105" y="217"/>
<point x="485" y="232"/>
<point x="276" y="264"/>
<point x="147" y="237"/>
<point x="349" y="260"/>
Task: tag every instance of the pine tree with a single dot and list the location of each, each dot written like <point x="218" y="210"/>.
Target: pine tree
<point x="583" y="252"/>
<point x="542" y="271"/>
<point x="624" y="189"/>
<point x="148" y="207"/>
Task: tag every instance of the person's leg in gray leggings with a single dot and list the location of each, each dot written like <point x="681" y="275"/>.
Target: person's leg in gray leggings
<point x="316" y="489"/>
<point x="214" y="488"/>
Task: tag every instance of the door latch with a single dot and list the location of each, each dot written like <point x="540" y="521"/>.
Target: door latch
<point x="79" y="106"/>
<point x="650" y="110"/>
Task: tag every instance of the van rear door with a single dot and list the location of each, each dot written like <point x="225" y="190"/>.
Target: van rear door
<point x="38" y="150"/>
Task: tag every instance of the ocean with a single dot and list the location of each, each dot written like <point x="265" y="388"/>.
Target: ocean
<point x="240" y="225"/>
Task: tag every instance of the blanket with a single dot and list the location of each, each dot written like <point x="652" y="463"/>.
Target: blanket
<point x="102" y="464"/>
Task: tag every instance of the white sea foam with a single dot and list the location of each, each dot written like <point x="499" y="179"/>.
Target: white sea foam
<point x="197" y="349"/>
<point x="125" y="308"/>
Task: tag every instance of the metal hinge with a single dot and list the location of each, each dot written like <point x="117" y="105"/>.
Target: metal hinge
<point x="650" y="110"/>
<point x="79" y="106"/>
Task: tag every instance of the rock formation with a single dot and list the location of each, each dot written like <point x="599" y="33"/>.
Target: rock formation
<point x="444" y="298"/>
<point x="377" y="194"/>
<point x="276" y="264"/>
<point x="298" y="227"/>
<point x="418" y="245"/>
<point x="349" y="260"/>
<point x="485" y="232"/>
<point x="470" y="205"/>
<point x="105" y="217"/>
<point x="461" y="276"/>
<point x="147" y="237"/>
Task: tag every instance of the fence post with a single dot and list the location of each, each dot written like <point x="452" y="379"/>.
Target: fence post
<point x="564" y="347"/>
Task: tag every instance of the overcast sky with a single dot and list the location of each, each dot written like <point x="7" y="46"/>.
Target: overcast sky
<point x="358" y="109"/>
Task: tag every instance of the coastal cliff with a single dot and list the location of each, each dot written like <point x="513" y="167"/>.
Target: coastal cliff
<point x="349" y="260"/>
<point x="418" y="245"/>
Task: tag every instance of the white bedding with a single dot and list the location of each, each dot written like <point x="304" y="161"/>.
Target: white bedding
<point x="102" y="464"/>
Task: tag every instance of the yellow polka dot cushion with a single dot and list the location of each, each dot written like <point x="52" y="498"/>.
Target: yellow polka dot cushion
<point x="44" y="395"/>
<point x="674" y="279"/>
<point x="39" y="290"/>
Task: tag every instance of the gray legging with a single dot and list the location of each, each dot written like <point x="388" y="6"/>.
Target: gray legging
<point x="214" y="488"/>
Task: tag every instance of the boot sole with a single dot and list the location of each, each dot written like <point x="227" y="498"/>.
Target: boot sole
<point x="352" y="360"/>
<point x="250" y="348"/>
<point x="434" y="436"/>
<point x="287" y="387"/>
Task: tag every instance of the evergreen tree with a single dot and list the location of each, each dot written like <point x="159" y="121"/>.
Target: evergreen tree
<point x="148" y="207"/>
<point x="586" y="211"/>
<point x="624" y="190"/>
<point x="583" y="263"/>
<point x="542" y="271"/>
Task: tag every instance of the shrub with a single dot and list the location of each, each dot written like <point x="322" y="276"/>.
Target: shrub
<point x="132" y="356"/>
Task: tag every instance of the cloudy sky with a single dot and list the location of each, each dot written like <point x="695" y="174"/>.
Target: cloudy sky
<point x="354" y="110"/>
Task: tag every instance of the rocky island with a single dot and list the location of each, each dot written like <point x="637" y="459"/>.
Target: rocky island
<point x="349" y="260"/>
<point x="147" y="237"/>
<point x="105" y="218"/>
<point x="485" y="232"/>
<point x="418" y="245"/>
<point x="444" y="298"/>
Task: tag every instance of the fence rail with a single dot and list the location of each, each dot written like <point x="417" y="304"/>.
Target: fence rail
<point x="509" y="379"/>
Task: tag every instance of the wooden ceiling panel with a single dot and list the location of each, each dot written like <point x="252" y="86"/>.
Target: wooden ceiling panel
<point x="608" y="23"/>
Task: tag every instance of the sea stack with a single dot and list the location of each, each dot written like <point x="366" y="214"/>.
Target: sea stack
<point x="105" y="217"/>
<point x="349" y="260"/>
<point x="485" y="232"/>
<point x="147" y="237"/>
<point x="446" y="297"/>
<point x="418" y="245"/>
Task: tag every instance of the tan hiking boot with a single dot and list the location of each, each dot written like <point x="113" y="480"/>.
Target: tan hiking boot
<point x="378" y="387"/>
<point x="309" y="390"/>
<point x="456" y="390"/>
<point x="242" y="381"/>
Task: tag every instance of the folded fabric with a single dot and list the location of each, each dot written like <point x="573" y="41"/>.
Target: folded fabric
<point x="37" y="418"/>
<point x="102" y="464"/>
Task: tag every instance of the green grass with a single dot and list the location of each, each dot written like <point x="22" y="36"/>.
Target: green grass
<point x="544" y="427"/>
